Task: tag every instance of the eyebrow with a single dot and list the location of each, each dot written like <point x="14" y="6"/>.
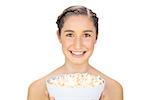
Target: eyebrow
<point x="68" y="31"/>
<point x="83" y="31"/>
<point x="88" y="31"/>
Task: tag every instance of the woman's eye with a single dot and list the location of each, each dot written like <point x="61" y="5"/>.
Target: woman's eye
<point x="69" y="35"/>
<point x="87" y="35"/>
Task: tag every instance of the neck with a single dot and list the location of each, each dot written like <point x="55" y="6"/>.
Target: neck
<point x="74" y="68"/>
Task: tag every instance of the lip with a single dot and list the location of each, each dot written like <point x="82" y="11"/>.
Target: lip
<point x="77" y="53"/>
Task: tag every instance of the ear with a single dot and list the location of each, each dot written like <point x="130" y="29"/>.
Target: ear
<point x="59" y="36"/>
<point x="95" y="41"/>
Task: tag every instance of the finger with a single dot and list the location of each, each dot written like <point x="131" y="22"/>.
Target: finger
<point x="52" y="98"/>
<point x="102" y="96"/>
<point x="46" y="93"/>
<point x="46" y="96"/>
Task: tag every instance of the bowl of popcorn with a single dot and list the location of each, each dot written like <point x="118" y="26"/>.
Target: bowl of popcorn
<point x="76" y="86"/>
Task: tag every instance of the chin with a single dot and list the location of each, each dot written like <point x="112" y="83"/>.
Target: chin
<point x="78" y="61"/>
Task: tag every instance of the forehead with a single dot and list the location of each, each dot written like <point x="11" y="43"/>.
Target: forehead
<point x="77" y="22"/>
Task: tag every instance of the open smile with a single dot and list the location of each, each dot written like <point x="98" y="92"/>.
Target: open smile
<point x="77" y="53"/>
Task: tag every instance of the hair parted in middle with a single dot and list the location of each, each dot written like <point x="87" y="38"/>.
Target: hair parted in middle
<point x="77" y="10"/>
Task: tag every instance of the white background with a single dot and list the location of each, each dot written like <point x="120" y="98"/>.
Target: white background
<point x="29" y="48"/>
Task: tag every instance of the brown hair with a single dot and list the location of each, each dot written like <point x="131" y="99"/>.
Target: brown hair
<point x="77" y="10"/>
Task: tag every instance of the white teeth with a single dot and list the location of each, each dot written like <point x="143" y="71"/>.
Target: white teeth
<point x="77" y="52"/>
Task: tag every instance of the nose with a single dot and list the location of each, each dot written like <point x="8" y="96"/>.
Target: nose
<point x="77" y="43"/>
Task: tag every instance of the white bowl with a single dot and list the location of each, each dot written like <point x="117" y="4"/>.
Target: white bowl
<point x="75" y="93"/>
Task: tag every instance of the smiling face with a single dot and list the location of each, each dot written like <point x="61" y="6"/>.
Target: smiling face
<point x="78" y="36"/>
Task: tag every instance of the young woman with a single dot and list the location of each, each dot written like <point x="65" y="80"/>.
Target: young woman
<point x="77" y="33"/>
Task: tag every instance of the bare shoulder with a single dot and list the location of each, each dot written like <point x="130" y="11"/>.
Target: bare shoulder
<point x="113" y="90"/>
<point x="37" y="89"/>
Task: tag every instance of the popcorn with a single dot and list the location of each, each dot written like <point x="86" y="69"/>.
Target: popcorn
<point x="76" y="80"/>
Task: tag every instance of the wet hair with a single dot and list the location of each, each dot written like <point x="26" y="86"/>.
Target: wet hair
<point x="77" y="10"/>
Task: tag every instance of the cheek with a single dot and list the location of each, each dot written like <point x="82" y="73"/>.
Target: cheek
<point x="89" y="43"/>
<point x="66" y="42"/>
